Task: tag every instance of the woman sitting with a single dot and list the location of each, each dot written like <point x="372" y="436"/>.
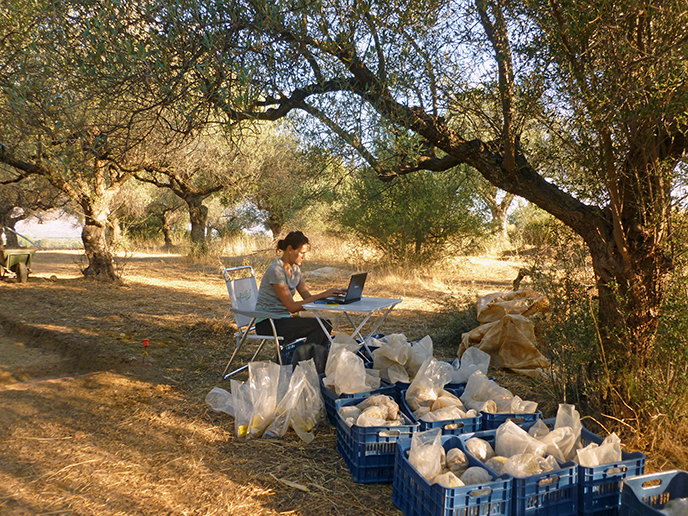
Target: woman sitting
<point x="276" y="294"/>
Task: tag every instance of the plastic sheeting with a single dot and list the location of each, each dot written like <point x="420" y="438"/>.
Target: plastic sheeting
<point x="507" y="334"/>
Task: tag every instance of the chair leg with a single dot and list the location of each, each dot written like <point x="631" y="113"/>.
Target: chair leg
<point x="277" y="344"/>
<point x="241" y="342"/>
<point x="262" y="343"/>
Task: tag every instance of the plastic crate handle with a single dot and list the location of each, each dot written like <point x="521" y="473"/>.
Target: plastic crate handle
<point x="453" y="426"/>
<point x="549" y="480"/>
<point x="487" y="491"/>
<point x="517" y="420"/>
<point x="617" y="471"/>
<point x="649" y="484"/>
<point x="389" y="433"/>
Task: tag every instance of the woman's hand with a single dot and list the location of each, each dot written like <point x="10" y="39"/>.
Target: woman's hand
<point x="333" y="292"/>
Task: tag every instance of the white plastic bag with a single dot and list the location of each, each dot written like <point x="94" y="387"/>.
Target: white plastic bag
<point x="420" y="352"/>
<point x="341" y="342"/>
<point x="479" y="388"/>
<point x="428" y="383"/>
<point x="264" y="379"/>
<point x="448" y="479"/>
<point x="426" y="453"/>
<point x="476" y="475"/>
<point x="472" y="360"/>
<point x="607" y="452"/>
<point x="243" y="407"/>
<point x="220" y="401"/>
<point x="511" y="439"/>
<point x="479" y="448"/>
<point x="350" y="376"/>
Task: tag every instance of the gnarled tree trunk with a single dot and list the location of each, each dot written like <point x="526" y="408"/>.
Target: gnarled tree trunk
<point x="94" y="238"/>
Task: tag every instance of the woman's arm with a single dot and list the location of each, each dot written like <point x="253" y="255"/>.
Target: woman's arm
<point x="296" y="306"/>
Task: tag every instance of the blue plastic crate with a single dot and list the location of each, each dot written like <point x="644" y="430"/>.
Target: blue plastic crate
<point x="554" y="493"/>
<point x="450" y="426"/>
<point x="369" y="451"/>
<point x="493" y="421"/>
<point x="645" y="495"/>
<point x="287" y="352"/>
<point x="415" y="496"/>
<point x="599" y="488"/>
<point x="329" y="396"/>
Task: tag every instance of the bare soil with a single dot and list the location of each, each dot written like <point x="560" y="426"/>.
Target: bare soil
<point x="92" y="426"/>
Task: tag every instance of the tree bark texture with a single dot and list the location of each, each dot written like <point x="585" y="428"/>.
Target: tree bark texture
<point x="100" y="263"/>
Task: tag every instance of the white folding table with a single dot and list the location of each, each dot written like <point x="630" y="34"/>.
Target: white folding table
<point x="366" y="307"/>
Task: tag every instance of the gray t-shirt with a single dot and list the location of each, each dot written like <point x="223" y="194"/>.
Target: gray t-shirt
<point x="276" y="275"/>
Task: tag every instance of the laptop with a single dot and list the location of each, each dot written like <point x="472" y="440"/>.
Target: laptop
<point x="353" y="292"/>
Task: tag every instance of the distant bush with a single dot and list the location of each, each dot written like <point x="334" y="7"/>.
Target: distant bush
<point x="413" y="219"/>
<point x="60" y="243"/>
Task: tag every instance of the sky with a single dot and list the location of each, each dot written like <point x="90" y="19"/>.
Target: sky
<point x="63" y="226"/>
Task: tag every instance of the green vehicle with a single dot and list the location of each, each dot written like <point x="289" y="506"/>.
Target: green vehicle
<point x="16" y="261"/>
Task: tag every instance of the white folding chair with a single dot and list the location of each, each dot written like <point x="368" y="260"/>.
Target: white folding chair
<point x="243" y="293"/>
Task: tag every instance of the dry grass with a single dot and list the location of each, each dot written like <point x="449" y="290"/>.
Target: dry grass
<point x="102" y="434"/>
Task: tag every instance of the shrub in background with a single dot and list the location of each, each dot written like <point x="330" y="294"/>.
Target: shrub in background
<point x="415" y="218"/>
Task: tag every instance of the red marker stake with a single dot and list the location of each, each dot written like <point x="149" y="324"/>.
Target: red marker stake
<point x="146" y="360"/>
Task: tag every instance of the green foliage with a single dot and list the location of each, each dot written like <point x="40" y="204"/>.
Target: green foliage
<point x="651" y="398"/>
<point x="413" y="218"/>
<point x="532" y="226"/>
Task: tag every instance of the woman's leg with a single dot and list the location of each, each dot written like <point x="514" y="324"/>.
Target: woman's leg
<point x="292" y="328"/>
<point x="315" y="345"/>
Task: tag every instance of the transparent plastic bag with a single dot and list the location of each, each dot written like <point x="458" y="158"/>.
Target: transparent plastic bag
<point x="539" y="429"/>
<point x="428" y="384"/>
<point x="446" y="399"/>
<point x="675" y="507"/>
<point x="425" y="453"/>
<point x="524" y="465"/>
<point x="396" y="350"/>
<point x="243" y="407"/>
<point x="515" y="405"/>
<point x="607" y="452"/>
<point x="389" y="407"/>
<point x="350" y="376"/>
<point x="397" y="373"/>
<point x="561" y="443"/>
<point x="511" y="439"/>
<point x="220" y="400"/>
<point x="496" y="464"/>
<point x="479" y="448"/>
<point x="341" y="342"/>
<point x="480" y="388"/>
<point x="350" y="413"/>
<point x="457" y="462"/>
<point x="476" y="475"/>
<point x="567" y="415"/>
<point x="420" y="352"/>
<point x="448" y="479"/>
<point x="309" y="407"/>
<point x="472" y="360"/>
<point x="301" y="407"/>
<point x="264" y="378"/>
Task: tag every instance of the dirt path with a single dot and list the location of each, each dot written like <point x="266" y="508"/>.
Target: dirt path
<point x="87" y="429"/>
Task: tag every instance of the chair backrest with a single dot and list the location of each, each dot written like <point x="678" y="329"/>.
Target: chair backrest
<point x="243" y="292"/>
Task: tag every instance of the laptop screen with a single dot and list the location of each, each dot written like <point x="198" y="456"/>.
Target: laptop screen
<point x="355" y="289"/>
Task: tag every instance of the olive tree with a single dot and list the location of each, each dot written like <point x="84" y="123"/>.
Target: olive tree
<point x="606" y="81"/>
